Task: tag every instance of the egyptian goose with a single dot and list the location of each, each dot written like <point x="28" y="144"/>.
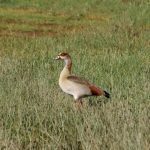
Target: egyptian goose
<point x="76" y="86"/>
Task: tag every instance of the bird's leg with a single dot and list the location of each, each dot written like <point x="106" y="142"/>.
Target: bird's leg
<point x="78" y="103"/>
<point x="90" y="102"/>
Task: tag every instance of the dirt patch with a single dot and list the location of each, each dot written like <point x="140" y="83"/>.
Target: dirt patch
<point x="44" y="22"/>
<point x="44" y="29"/>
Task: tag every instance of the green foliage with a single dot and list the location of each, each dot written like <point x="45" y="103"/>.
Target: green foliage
<point x="109" y="45"/>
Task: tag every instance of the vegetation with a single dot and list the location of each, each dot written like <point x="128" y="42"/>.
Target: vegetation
<point x="109" y="44"/>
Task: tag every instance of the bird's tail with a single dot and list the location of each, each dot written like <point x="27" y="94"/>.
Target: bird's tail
<point x="106" y="94"/>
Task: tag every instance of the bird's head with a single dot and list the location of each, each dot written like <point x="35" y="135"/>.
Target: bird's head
<point x="62" y="56"/>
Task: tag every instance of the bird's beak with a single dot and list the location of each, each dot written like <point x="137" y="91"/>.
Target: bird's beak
<point x="56" y="58"/>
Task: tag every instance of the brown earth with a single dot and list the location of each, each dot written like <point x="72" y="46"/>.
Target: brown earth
<point x="39" y="29"/>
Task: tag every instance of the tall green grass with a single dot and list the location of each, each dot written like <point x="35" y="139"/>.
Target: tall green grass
<point x="36" y="114"/>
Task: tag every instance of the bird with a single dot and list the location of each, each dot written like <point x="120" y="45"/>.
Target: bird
<point x="76" y="86"/>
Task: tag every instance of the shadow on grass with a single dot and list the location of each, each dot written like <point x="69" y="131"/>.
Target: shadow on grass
<point x="98" y="102"/>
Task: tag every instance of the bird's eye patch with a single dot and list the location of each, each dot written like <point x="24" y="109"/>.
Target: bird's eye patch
<point x="62" y="54"/>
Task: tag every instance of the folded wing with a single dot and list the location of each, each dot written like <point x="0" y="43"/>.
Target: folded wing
<point x="94" y="89"/>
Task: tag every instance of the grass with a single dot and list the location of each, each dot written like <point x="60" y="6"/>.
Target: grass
<point x="111" y="37"/>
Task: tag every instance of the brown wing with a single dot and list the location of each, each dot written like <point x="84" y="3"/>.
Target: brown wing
<point x="78" y="80"/>
<point x="94" y="89"/>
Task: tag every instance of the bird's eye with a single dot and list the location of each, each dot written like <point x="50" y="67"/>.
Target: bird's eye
<point x="63" y="54"/>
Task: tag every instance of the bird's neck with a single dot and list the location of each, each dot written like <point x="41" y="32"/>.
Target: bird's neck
<point x="67" y="68"/>
<point x="68" y="64"/>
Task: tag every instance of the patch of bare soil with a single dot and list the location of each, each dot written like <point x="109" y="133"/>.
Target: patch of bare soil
<point x="20" y="27"/>
<point x="39" y="29"/>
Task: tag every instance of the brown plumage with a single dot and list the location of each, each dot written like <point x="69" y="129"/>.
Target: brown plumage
<point x="95" y="90"/>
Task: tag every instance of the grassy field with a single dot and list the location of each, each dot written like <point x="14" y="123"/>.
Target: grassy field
<point x="109" y="42"/>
